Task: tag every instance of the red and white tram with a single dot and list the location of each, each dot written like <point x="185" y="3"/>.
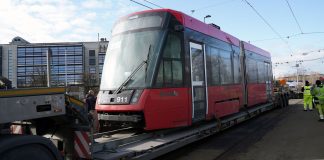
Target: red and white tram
<point x="165" y="69"/>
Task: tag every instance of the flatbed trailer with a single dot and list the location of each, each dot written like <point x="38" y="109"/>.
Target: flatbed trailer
<point x="154" y="144"/>
<point x="33" y="103"/>
<point x="49" y="112"/>
<point x="29" y="115"/>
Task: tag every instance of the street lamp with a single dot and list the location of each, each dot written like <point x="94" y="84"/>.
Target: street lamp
<point x="207" y="16"/>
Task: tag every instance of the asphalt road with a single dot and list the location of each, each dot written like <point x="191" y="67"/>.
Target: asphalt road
<point x="282" y="134"/>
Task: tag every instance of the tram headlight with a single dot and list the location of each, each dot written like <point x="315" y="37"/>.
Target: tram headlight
<point x="136" y="96"/>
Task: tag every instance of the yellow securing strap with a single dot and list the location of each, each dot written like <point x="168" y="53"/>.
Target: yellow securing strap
<point x="31" y="92"/>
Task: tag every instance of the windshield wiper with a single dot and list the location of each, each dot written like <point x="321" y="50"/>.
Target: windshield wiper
<point x="133" y="73"/>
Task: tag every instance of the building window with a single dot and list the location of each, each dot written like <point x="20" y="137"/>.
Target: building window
<point x="92" y="62"/>
<point x="92" y="57"/>
<point x="92" y="70"/>
<point x="101" y="60"/>
<point x="66" y="65"/>
<point x="10" y="65"/>
<point x="92" y="53"/>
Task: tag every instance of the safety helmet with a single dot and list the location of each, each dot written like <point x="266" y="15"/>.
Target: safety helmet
<point x="90" y="91"/>
<point x="318" y="82"/>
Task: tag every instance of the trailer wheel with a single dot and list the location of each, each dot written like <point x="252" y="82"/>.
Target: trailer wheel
<point x="31" y="151"/>
<point x="281" y="101"/>
<point x="16" y="147"/>
<point x="284" y="100"/>
<point x="278" y="102"/>
<point x="287" y="99"/>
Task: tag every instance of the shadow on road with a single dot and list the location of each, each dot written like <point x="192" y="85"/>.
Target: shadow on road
<point x="286" y="133"/>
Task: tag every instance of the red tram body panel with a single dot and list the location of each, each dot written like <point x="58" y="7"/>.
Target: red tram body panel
<point x="217" y="96"/>
<point x="166" y="69"/>
<point x="167" y="107"/>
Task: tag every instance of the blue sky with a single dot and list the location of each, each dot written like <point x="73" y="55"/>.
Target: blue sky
<point x="73" y="20"/>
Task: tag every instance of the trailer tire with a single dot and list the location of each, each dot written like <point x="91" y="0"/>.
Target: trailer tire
<point x="16" y="147"/>
<point x="287" y="99"/>
<point x="32" y="151"/>
<point x="281" y="101"/>
<point x="278" y="102"/>
<point x="284" y="100"/>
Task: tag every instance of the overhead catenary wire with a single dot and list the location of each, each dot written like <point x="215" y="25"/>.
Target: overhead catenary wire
<point x="212" y="5"/>
<point x="264" y="20"/>
<point x="269" y="25"/>
<point x="304" y="60"/>
<point x="153" y="4"/>
<point x="292" y="12"/>
<point x="293" y="35"/>
<point x="289" y="36"/>
<point x="141" y="4"/>
<point x="300" y="61"/>
<point x="316" y="50"/>
<point x="302" y="53"/>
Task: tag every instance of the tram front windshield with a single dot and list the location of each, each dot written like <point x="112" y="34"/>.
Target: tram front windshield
<point x="134" y="39"/>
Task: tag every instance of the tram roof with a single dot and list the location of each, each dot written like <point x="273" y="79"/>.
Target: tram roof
<point x="207" y="29"/>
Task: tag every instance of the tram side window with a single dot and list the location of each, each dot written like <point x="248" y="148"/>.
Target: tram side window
<point x="214" y="59"/>
<point x="170" y="69"/>
<point x="226" y="73"/>
<point x="237" y="70"/>
<point x="261" y="72"/>
<point x="269" y="72"/>
<point x="252" y="70"/>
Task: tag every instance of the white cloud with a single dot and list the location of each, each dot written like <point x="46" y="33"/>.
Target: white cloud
<point x="95" y="4"/>
<point x="59" y="20"/>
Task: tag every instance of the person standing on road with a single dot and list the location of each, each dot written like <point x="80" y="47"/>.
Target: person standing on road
<point x="307" y="96"/>
<point x="90" y="100"/>
<point x="313" y="95"/>
<point x="319" y="99"/>
<point x="91" y="104"/>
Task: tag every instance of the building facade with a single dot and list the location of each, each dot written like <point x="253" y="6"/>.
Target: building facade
<point x="0" y="61"/>
<point x="70" y="63"/>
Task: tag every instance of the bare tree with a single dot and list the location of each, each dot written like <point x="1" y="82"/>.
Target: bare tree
<point x="5" y="83"/>
<point x="89" y="81"/>
<point x="39" y="77"/>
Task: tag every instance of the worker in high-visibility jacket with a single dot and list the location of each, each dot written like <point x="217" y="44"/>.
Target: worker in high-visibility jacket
<point x="307" y="97"/>
<point x="319" y="99"/>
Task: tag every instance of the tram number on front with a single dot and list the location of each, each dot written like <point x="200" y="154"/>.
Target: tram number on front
<point x="122" y="99"/>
